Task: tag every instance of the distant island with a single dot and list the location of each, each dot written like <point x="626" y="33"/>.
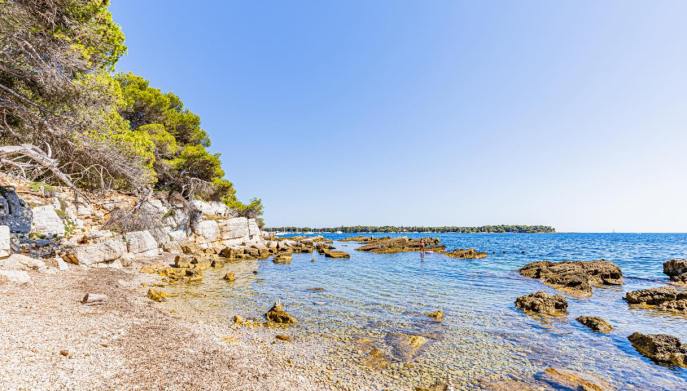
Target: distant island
<point x="392" y="229"/>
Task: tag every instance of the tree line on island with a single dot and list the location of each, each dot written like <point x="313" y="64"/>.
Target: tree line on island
<point x="393" y="229"/>
<point x="66" y="117"/>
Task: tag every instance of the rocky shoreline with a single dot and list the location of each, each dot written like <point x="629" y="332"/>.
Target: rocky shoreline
<point x="105" y="311"/>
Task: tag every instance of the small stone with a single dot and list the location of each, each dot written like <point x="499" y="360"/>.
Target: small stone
<point x="282" y="337"/>
<point x="277" y="314"/>
<point x="64" y="352"/>
<point x="595" y="323"/>
<point x="94" y="299"/>
<point x="230" y="277"/>
<point x="239" y="320"/>
<point x="437" y="315"/>
<point x="157" y="295"/>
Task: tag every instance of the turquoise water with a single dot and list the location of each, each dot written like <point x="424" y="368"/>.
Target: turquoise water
<point x="483" y="334"/>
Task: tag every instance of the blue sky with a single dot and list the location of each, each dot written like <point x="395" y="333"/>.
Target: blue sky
<point x="566" y="113"/>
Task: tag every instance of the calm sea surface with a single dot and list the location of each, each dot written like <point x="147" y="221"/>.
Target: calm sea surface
<point x="483" y="334"/>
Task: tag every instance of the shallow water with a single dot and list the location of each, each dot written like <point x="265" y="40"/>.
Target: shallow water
<point x="483" y="334"/>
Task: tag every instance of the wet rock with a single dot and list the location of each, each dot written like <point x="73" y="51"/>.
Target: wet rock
<point x="437" y="315"/>
<point x="543" y="303"/>
<point x="661" y="348"/>
<point x="595" y="323"/>
<point x="283" y="258"/>
<point x="336" y="254"/>
<point x="316" y="289"/>
<point x="94" y="299"/>
<point x="277" y="314"/>
<point x="157" y="295"/>
<point x="13" y="211"/>
<point x="575" y="277"/>
<point x="18" y="277"/>
<point x="406" y="346"/>
<point x="664" y="298"/>
<point x="570" y="380"/>
<point x="469" y="253"/>
<point x="5" y="241"/>
<point x="676" y="269"/>
<point x="230" y="277"/>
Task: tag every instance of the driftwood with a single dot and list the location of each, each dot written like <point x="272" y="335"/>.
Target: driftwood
<point x="17" y="155"/>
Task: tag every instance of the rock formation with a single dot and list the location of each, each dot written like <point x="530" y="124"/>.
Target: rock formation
<point x="661" y="348"/>
<point x="576" y="277"/>
<point x="595" y="323"/>
<point x="666" y="298"/>
<point x="676" y="269"/>
<point x="542" y="303"/>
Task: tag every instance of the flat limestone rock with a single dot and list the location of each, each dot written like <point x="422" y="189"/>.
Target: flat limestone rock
<point x="661" y="348"/>
<point x="542" y="303"/>
<point x="576" y="277"/>
<point x="5" y="243"/>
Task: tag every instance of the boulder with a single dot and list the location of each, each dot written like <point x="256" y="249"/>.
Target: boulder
<point x="595" y="323"/>
<point x="18" y="277"/>
<point x="46" y="221"/>
<point x="664" y="298"/>
<point x="571" y="380"/>
<point x="208" y="230"/>
<point x="543" y="303"/>
<point x="676" y="269"/>
<point x="91" y="254"/>
<point x="234" y="228"/>
<point x="13" y="211"/>
<point x="5" y="241"/>
<point x="660" y="348"/>
<point x="575" y="277"/>
<point x="277" y="314"/>
<point x="142" y="243"/>
<point x="22" y="262"/>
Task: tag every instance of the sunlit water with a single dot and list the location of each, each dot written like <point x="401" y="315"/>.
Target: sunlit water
<point x="483" y="334"/>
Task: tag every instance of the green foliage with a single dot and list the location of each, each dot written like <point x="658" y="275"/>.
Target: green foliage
<point x="251" y="210"/>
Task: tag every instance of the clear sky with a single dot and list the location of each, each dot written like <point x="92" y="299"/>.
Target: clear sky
<point x="566" y="113"/>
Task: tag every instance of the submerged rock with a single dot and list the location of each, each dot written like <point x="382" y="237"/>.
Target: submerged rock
<point x="469" y="253"/>
<point x="570" y="380"/>
<point x="595" y="323"/>
<point x="377" y="359"/>
<point x="661" y="348"/>
<point x="406" y="346"/>
<point x="576" y="277"/>
<point x="336" y="254"/>
<point x="664" y="298"/>
<point x="277" y="314"/>
<point x="543" y="303"/>
<point x="230" y="277"/>
<point x="676" y="269"/>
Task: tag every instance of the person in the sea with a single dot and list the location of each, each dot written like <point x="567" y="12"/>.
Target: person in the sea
<point x="422" y="249"/>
